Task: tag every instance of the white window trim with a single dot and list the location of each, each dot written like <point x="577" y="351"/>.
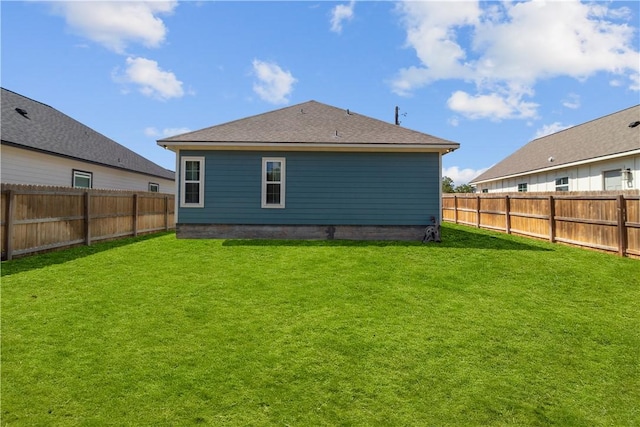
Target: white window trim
<point x="283" y="177"/>
<point x="152" y="185"/>
<point x="82" y="174"/>
<point x="183" y="170"/>
<point x="555" y="181"/>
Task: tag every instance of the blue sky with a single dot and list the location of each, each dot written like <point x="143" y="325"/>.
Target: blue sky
<point x="489" y="75"/>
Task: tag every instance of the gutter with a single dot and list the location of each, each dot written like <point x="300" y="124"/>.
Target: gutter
<point x="306" y="146"/>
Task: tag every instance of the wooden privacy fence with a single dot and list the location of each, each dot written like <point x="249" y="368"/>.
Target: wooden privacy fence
<point x="38" y="218"/>
<point x="604" y="221"/>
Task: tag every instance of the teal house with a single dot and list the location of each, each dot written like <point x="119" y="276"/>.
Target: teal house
<point x="308" y="171"/>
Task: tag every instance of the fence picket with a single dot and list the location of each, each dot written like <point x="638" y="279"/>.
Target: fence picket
<point x="603" y="220"/>
<point x="38" y="218"/>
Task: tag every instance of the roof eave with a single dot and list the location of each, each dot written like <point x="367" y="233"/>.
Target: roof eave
<point x="442" y="148"/>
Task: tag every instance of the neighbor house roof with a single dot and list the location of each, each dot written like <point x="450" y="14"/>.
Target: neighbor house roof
<point x="601" y="138"/>
<point x="36" y="126"/>
<point x="310" y="125"/>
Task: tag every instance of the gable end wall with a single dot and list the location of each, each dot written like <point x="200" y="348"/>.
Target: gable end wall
<point x="322" y="188"/>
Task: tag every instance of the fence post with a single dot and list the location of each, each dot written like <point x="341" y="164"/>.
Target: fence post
<point x="478" y="211"/>
<point x="135" y="214"/>
<point x="552" y="219"/>
<point x="622" y="227"/>
<point x="507" y="209"/>
<point x="87" y="218"/>
<point x="8" y="233"/>
<point x="455" y="208"/>
<point x="166" y="213"/>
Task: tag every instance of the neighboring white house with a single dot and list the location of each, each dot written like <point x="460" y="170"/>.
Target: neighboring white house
<point x="42" y="146"/>
<point x="600" y="155"/>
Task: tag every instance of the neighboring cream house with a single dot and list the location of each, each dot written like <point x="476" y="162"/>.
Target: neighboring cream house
<point x="600" y="155"/>
<point x="42" y="146"/>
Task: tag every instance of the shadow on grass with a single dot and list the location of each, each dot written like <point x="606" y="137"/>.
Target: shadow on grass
<point x="37" y="261"/>
<point x="452" y="237"/>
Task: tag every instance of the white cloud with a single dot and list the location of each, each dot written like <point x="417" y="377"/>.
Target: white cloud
<point x="152" y="81"/>
<point x="431" y="32"/>
<point x="577" y="41"/>
<point x="114" y="24"/>
<point x="165" y="133"/>
<point x="549" y="129"/>
<point x="340" y="13"/>
<point x="572" y="101"/>
<point x="493" y="106"/>
<point x="454" y="121"/>
<point x="151" y="132"/>
<point x="461" y="176"/>
<point x="274" y="85"/>
<point x="635" y="82"/>
<point x="512" y="46"/>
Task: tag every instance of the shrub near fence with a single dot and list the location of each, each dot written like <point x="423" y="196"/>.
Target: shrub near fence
<point x="603" y="220"/>
<point x="36" y="218"/>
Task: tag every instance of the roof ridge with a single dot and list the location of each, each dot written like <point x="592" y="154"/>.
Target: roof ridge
<point x="185" y="136"/>
<point x="240" y="119"/>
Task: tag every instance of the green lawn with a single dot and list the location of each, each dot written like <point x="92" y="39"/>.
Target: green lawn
<point x="482" y="329"/>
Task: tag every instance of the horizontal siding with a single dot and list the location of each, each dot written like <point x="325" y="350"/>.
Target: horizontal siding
<point x="321" y="188"/>
<point x="29" y="167"/>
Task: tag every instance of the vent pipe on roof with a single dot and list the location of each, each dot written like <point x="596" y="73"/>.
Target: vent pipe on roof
<point x="22" y="112"/>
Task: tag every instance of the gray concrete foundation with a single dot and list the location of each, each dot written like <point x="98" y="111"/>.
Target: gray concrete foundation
<point x="301" y="232"/>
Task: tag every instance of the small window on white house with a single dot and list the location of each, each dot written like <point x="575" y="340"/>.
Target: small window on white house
<point x="522" y="188"/>
<point x="82" y="179"/>
<point x="192" y="182"/>
<point x="485" y="190"/>
<point x="273" y="182"/>
<point x="154" y="187"/>
<point x="562" y="184"/>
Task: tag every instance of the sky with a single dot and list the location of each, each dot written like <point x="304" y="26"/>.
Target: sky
<point x="491" y="76"/>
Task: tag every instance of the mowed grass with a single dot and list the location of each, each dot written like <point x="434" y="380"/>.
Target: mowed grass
<point x="482" y="329"/>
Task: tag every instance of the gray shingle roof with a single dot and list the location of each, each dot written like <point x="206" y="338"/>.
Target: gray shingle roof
<point x="46" y="129"/>
<point x="605" y="136"/>
<point x="310" y="123"/>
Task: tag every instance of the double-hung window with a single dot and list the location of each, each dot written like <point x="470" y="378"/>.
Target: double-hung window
<point x="192" y="182"/>
<point x="522" y="188"/>
<point x="82" y="179"/>
<point x="562" y="184"/>
<point x="273" y="182"/>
